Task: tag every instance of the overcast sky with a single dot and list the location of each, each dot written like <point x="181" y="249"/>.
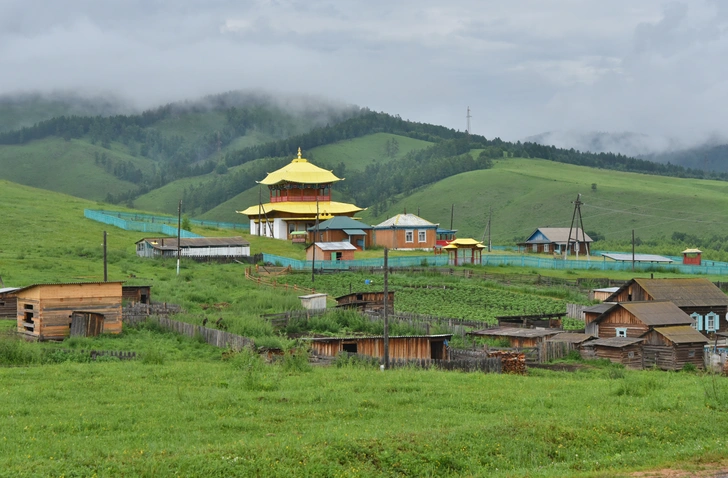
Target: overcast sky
<point x="523" y="67"/>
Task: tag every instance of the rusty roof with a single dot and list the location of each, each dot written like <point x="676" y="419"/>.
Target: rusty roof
<point x="325" y="339"/>
<point x="616" y="342"/>
<point x="656" y="312"/>
<point x="170" y="243"/>
<point x="571" y="337"/>
<point x="691" y="292"/>
<point x="516" y="332"/>
<point x="682" y="334"/>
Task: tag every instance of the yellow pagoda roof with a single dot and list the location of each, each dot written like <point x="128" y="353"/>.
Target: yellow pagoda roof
<point x="300" y="171"/>
<point x="465" y="243"/>
<point x="325" y="209"/>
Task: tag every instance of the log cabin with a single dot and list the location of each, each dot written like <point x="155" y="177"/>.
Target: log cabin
<point x="697" y="297"/>
<point x="634" y="319"/>
<point x="9" y="302"/>
<point x="671" y="348"/>
<point x="624" y="350"/>
<point x="400" y="347"/>
<point x="44" y="311"/>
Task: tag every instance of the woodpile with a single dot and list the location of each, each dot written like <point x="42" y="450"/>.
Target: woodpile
<point x="512" y="362"/>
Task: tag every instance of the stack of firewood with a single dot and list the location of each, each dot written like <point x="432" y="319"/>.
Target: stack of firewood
<point x="512" y="362"/>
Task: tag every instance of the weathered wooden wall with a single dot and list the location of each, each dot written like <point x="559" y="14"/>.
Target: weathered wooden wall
<point x="630" y="356"/>
<point x="8" y="306"/>
<point x="399" y="347"/>
<point x="620" y="318"/>
<point x="218" y="338"/>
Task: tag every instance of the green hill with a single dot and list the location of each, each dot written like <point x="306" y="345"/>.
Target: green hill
<point x="527" y="193"/>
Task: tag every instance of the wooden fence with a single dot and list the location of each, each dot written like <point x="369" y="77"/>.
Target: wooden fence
<point x="485" y="365"/>
<point x="575" y="311"/>
<point x="542" y="353"/>
<point x="273" y="283"/>
<point x="218" y="338"/>
<point x="120" y="354"/>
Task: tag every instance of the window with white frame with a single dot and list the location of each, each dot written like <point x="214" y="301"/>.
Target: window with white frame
<point x="698" y="325"/>
<point x="546" y="247"/>
<point x="711" y="322"/>
<point x="620" y="332"/>
<point x="409" y="236"/>
<point x="421" y="236"/>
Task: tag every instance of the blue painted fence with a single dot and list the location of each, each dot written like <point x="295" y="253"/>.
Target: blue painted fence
<point x="135" y="217"/>
<point x="404" y="261"/>
<point x="155" y="227"/>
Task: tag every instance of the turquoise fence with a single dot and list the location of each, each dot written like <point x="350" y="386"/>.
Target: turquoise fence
<point x="597" y="263"/>
<point x="403" y="261"/>
<point x="135" y="217"/>
<point x="128" y="225"/>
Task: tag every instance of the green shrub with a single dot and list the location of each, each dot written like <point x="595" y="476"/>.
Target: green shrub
<point x="15" y="351"/>
<point x="153" y="356"/>
<point x="296" y="361"/>
<point x="689" y="368"/>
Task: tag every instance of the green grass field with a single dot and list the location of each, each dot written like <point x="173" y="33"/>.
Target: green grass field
<point x="528" y="193"/>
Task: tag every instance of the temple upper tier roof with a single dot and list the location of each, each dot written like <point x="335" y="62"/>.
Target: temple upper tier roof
<point x="300" y="171"/>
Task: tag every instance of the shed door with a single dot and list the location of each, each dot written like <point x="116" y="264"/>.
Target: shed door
<point x="437" y="350"/>
<point x="86" y="325"/>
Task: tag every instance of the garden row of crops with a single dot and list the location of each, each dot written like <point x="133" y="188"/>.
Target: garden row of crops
<point x="435" y="295"/>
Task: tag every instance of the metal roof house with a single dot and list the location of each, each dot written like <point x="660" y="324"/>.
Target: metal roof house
<point x="406" y="231"/>
<point x="342" y="229"/>
<point x="697" y="297"/>
<point x="198" y="247"/>
<point x="554" y="239"/>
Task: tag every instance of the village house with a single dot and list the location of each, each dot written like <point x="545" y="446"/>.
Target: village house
<point x="623" y="350"/>
<point x="697" y="297"/>
<point x="9" y="302"/>
<point x="195" y="247"/>
<point x="330" y="251"/>
<point x="48" y="311"/>
<point x="671" y="348"/>
<point x="634" y="319"/>
<point x="554" y="239"/>
<point x="342" y="229"/>
<point x="400" y="347"/>
<point x="406" y="231"/>
<point x="299" y="194"/>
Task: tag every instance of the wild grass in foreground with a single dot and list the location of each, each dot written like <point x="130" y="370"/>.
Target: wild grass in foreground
<point x="240" y="417"/>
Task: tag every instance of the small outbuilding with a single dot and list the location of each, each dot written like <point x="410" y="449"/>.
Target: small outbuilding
<point x="692" y="257"/>
<point x="313" y="301"/>
<point x="517" y="337"/>
<point x="372" y="301"/>
<point x="634" y="319"/>
<point x="330" y="251"/>
<point x="671" y="348"/>
<point x="400" y="347"/>
<point x="141" y="294"/>
<point x="589" y="314"/>
<point x="198" y="247"/>
<point x="570" y="338"/>
<point x="602" y="294"/>
<point x="406" y="231"/>
<point x="9" y="302"/>
<point x="624" y="350"/>
<point x="45" y="311"/>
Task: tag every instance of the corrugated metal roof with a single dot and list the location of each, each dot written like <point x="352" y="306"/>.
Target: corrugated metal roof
<point x="600" y="308"/>
<point x="616" y="342"/>
<point x="339" y="223"/>
<point x="516" y="332"/>
<point x="406" y="220"/>
<point x="653" y="312"/>
<point x="693" y="292"/>
<point x="324" y="339"/>
<point x="335" y="246"/>
<point x="607" y="289"/>
<point x="637" y="257"/>
<point x="70" y="283"/>
<point x="682" y="334"/>
<point x="570" y="337"/>
<point x="561" y="234"/>
<point x="170" y="243"/>
<point x="5" y="290"/>
<point x="325" y="208"/>
<point x="355" y="232"/>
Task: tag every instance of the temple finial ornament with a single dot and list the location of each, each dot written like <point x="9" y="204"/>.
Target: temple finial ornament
<point x="299" y="152"/>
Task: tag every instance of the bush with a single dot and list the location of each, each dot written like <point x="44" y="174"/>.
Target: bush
<point x="346" y="360"/>
<point x="689" y="368"/>
<point x="15" y="351"/>
<point x="296" y="361"/>
<point x="153" y="357"/>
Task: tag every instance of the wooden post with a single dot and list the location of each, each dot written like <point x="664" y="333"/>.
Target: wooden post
<point x="386" y="305"/>
<point x="179" y="231"/>
<point x="632" y="250"/>
<point x="106" y="275"/>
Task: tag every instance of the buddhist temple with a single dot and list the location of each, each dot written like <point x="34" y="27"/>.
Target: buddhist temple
<point x="464" y="251"/>
<point x="300" y="192"/>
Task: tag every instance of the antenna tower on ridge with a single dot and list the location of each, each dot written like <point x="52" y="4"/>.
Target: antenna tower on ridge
<point x="467" y="130"/>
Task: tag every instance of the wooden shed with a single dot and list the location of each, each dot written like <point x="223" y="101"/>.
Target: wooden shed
<point x="634" y="319"/>
<point x="697" y="297"/>
<point x="313" y="301"/>
<point x="141" y="294"/>
<point x="589" y="314"/>
<point x="400" y="347"/>
<point x="9" y="302"/>
<point x="670" y="348"/>
<point x="570" y="338"/>
<point x="44" y="311"/>
<point x="331" y="251"/>
<point x="602" y="294"/>
<point x="624" y="350"/>
<point x="518" y="337"/>
<point x="367" y="301"/>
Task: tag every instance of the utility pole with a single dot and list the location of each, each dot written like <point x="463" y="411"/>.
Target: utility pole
<point x="386" y="305"/>
<point x="106" y="275"/>
<point x="260" y="206"/>
<point x="577" y="210"/>
<point x="179" y="231"/>
<point x="467" y="116"/>
<point x="452" y="214"/>
<point x="490" y="216"/>
<point x="632" y="250"/>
